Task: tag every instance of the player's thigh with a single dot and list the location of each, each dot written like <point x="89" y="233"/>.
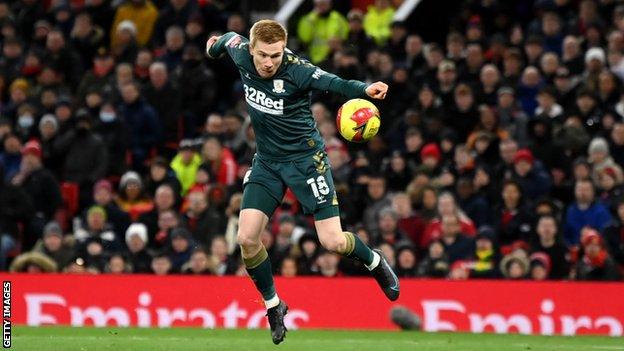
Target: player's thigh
<point x="263" y="188"/>
<point x="311" y="181"/>
<point x="262" y="193"/>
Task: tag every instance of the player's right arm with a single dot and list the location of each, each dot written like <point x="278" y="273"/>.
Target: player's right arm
<point x="311" y="77"/>
<point x="217" y="45"/>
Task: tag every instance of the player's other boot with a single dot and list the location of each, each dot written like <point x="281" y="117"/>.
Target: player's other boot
<point x="386" y="278"/>
<point x="276" y="321"/>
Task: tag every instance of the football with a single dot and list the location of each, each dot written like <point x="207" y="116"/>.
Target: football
<point x="358" y="120"/>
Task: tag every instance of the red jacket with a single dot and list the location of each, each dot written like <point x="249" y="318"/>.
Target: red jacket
<point x="227" y="170"/>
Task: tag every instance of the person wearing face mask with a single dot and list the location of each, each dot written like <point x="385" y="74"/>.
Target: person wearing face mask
<point x="114" y="133"/>
<point x="25" y="122"/>
<point x="319" y="28"/>
<point x="86" y="156"/>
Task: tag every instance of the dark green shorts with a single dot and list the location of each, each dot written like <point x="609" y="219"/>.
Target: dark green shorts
<point x="309" y="179"/>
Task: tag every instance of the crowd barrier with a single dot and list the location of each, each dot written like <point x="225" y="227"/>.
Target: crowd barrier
<point x="546" y="308"/>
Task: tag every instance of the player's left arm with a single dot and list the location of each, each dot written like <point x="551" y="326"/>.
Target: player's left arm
<point x="311" y="77"/>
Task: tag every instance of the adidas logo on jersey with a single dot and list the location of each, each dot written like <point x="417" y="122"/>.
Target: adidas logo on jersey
<point x="261" y="102"/>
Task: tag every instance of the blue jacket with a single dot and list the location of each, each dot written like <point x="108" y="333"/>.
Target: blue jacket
<point x="596" y="216"/>
<point x="536" y="183"/>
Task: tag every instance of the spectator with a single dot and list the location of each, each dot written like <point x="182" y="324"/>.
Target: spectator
<point x="378" y="19"/>
<point x="143" y="124"/>
<point x="11" y="156"/>
<point x="388" y="231"/>
<point x="539" y="266"/>
<point x="616" y="143"/>
<point x="600" y="159"/>
<point x="321" y="30"/>
<point x="165" y="199"/>
<point x="533" y="179"/>
<point x="406" y="261"/>
<point x="164" y="97"/>
<point x="160" y="173"/>
<point x="97" y="227"/>
<point x="185" y="164"/>
<point x="53" y="246"/>
<point x="595" y="262"/>
<point x="288" y="268"/>
<point x="40" y="185"/>
<point x="174" y="45"/>
<point x="223" y="263"/>
<point x="174" y="13"/>
<point x="161" y="264"/>
<point x="446" y="206"/>
<point x="86" y="38"/>
<point x="103" y="197"/>
<point x="132" y="198"/>
<point x="203" y="221"/>
<point x="515" y="265"/>
<point x="86" y="157"/>
<point x="550" y="243"/>
<point x="233" y="132"/>
<point x="584" y="212"/>
<point x="358" y="38"/>
<point x="114" y="133"/>
<point x="614" y="241"/>
<point x="142" y="14"/>
<point x="485" y="255"/>
<point x="61" y="57"/>
<point x="181" y="247"/>
<point x="200" y="263"/>
<point x="167" y="221"/>
<point x="473" y="204"/>
<point x="197" y="87"/>
<point x="376" y="199"/>
<point x="409" y="222"/>
<point x="117" y="264"/>
<point x="220" y="161"/>
<point x="435" y="264"/>
<point x="33" y="262"/>
<point x="136" y="241"/>
<point x="457" y="245"/>
<point x="512" y="218"/>
<point x="327" y="262"/>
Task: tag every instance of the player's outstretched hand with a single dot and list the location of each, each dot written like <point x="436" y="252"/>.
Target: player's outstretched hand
<point x="213" y="39"/>
<point x="377" y="90"/>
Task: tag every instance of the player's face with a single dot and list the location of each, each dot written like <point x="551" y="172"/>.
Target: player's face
<point x="267" y="57"/>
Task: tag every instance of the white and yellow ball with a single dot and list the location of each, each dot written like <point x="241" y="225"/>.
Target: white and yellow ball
<point x="358" y="120"/>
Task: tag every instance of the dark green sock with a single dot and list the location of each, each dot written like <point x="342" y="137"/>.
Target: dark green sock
<point x="259" y="269"/>
<point x="357" y="250"/>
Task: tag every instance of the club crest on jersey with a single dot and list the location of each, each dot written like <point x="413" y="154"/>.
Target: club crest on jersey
<point x="278" y="86"/>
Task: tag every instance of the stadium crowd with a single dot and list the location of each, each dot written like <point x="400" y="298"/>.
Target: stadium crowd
<point x="123" y="149"/>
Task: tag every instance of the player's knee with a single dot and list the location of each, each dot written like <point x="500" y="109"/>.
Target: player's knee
<point x="246" y="240"/>
<point x="333" y="243"/>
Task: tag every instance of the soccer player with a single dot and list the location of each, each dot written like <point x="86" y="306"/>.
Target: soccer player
<point x="290" y="153"/>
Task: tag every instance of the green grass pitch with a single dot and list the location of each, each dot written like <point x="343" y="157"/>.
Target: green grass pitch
<point x="121" y="339"/>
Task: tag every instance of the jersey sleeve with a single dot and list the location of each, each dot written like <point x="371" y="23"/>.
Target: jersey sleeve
<point x="308" y="76"/>
<point x="229" y="42"/>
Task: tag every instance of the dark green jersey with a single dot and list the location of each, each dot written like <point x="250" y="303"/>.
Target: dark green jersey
<point x="279" y="106"/>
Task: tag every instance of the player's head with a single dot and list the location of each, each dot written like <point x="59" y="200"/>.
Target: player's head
<point x="267" y="40"/>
